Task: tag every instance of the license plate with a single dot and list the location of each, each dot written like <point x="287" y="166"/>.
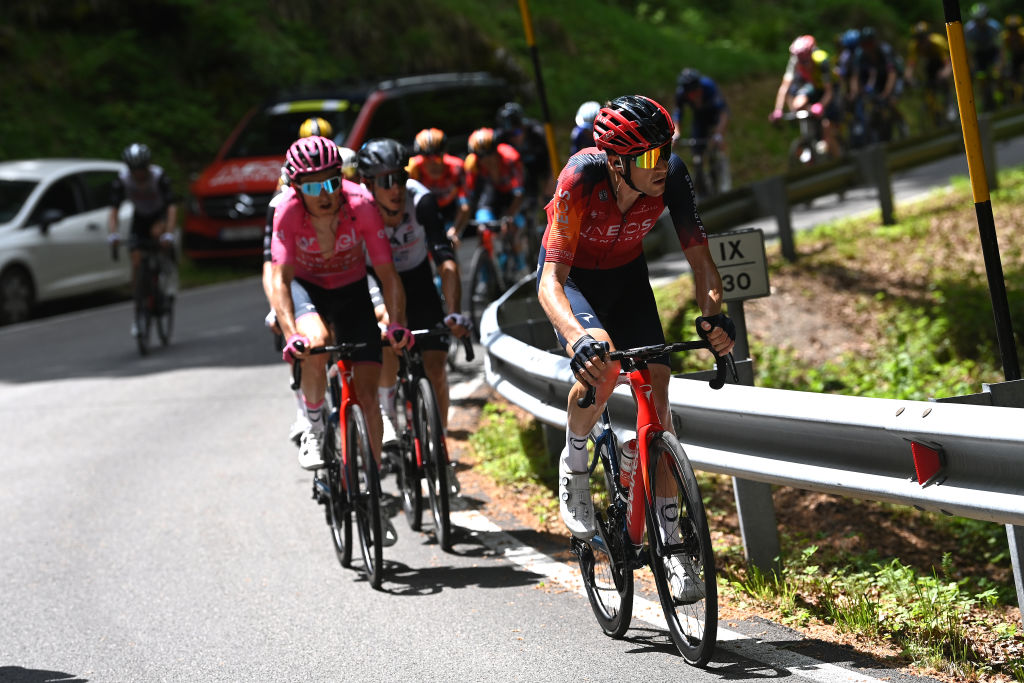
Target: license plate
<point x="247" y="232"/>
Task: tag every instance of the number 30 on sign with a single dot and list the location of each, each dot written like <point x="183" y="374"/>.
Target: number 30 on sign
<point x="741" y="262"/>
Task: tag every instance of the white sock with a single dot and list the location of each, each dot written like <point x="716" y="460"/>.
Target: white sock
<point x="668" y="516"/>
<point x="386" y="399"/>
<point x="576" y="457"/>
<point x="315" y="415"/>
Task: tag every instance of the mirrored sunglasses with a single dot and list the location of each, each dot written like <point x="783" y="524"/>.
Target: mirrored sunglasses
<point x="313" y="189"/>
<point x="386" y="181"/>
<point x="651" y="157"/>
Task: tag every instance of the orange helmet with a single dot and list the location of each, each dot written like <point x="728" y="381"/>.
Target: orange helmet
<point x="482" y="141"/>
<point x="430" y="141"/>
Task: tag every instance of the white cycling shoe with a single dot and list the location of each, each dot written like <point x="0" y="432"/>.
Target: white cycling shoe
<point x="299" y="427"/>
<point x="574" y="501"/>
<point x="390" y="439"/>
<point x="684" y="582"/>
<point x="310" y="450"/>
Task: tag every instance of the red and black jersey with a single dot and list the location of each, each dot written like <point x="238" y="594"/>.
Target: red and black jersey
<point x="586" y="229"/>
<point x="508" y="178"/>
<point x="448" y="185"/>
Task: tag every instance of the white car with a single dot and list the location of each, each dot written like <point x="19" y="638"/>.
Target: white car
<point x="53" y="232"/>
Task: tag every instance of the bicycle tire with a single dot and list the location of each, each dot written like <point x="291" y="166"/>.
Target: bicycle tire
<point x="607" y="578"/>
<point x="435" y="461"/>
<point x="366" y="498"/>
<point x="143" y="315"/>
<point x="484" y="287"/>
<point x="692" y="622"/>
<point x="339" y="514"/>
<point x="408" y="470"/>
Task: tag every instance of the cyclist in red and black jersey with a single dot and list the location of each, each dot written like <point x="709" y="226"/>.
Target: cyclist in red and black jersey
<point x="593" y="282"/>
<point x="444" y="174"/>
<point x="494" y="184"/>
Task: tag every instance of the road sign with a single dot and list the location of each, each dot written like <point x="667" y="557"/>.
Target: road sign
<point x="741" y="262"/>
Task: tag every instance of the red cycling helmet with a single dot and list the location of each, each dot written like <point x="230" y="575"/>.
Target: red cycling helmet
<point x="632" y="124"/>
<point x="802" y="46"/>
<point x="310" y="155"/>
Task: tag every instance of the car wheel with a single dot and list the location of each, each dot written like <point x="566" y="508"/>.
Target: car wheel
<point x="16" y="296"/>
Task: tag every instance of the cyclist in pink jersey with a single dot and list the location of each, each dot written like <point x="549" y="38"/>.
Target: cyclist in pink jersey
<point x="321" y="229"/>
<point x="593" y="282"/>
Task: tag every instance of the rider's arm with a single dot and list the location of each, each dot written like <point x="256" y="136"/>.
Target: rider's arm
<point x="551" y="294"/>
<point x="281" y="275"/>
<point x="708" y="292"/>
<point x="392" y="291"/>
<point x="116" y="198"/>
<point x="442" y="251"/>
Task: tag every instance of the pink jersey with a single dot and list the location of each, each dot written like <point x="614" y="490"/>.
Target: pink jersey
<point x="359" y="225"/>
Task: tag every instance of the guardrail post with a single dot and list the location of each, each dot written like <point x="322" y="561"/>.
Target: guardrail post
<point x="771" y="198"/>
<point x="986" y="133"/>
<point x="755" y="507"/>
<point x="871" y="164"/>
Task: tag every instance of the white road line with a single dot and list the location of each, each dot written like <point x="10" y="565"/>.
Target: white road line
<point x="648" y="611"/>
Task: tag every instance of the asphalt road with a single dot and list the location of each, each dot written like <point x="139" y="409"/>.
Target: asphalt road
<point x="156" y="527"/>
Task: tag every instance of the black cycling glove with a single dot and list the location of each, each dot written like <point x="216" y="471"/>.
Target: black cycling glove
<point x="717" y="320"/>
<point x="586" y="347"/>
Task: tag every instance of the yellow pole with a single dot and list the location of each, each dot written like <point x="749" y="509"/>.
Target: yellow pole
<point x="549" y="131"/>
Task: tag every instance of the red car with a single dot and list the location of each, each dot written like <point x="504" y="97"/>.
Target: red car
<point x="227" y="209"/>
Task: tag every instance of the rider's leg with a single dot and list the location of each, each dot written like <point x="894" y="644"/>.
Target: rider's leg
<point x="435" y="366"/>
<point x="314" y="378"/>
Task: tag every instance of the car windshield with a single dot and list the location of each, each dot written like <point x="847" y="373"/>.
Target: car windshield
<point x="271" y="131"/>
<point x="13" y="194"/>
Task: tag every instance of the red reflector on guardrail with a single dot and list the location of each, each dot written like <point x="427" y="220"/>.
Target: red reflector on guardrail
<point x="928" y="462"/>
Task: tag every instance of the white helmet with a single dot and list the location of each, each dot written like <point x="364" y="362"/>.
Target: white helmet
<point x="587" y="112"/>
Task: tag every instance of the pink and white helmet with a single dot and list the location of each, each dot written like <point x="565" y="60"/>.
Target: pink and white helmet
<point x="310" y="155"/>
<point x="802" y="46"/>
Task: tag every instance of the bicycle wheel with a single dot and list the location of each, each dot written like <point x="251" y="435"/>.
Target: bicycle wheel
<point x="165" y="318"/>
<point x="408" y="470"/>
<point x="435" y="460"/>
<point x="681" y="556"/>
<point x="143" y="314"/>
<point x="365" y="496"/>
<point x="483" y="287"/>
<point x="607" y="577"/>
<point x="339" y="515"/>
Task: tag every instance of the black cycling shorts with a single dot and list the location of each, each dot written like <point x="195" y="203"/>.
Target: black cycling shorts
<point x="619" y="301"/>
<point x="347" y="310"/>
<point x="423" y="309"/>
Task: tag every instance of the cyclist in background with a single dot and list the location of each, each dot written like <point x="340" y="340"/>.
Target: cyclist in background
<point x="929" y="51"/>
<point x="710" y="119"/>
<point x="494" y="185"/>
<point x="849" y="40"/>
<point x="874" y="75"/>
<point x="808" y="84"/>
<point x="415" y="229"/>
<point x="981" y="33"/>
<point x="155" y="213"/>
<point x="445" y="175"/>
<point x="1013" y="59"/>
<point x="582" y="135"/>
<point x="527" y="137"/>
<point x="325" y="227"/>
<point x="593" y="282"/>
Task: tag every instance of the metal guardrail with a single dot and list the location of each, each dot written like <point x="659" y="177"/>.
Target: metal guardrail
<point x="852" y="446"/>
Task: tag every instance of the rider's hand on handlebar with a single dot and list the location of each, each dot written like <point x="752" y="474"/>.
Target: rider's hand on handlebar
<point x="399" y="336"/>
<point x="719" y="330"/>
<point x="295" y="348"/>
<point x="775" y="116"/>
<point x="167" y="239"/>
<point x="817" y="110"/>
<point x="458" y="324"/>
<point x="588" y="362"/>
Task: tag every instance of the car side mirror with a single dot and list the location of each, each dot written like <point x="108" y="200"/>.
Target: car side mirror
<point x="48" y="218"/>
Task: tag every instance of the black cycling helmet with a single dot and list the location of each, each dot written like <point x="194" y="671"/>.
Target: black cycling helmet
<point x="381" y="155"/>
<point x="689" y="79"/>
<point x="136" y="155"/>
<point x="511" y="115"/>
<point x="632" y="124"/>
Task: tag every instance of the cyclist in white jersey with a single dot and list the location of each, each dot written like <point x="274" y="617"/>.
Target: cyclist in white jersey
<point x="416" y="232"/>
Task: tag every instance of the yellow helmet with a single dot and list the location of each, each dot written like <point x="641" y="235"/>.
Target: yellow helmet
<point x="316" y="126"/>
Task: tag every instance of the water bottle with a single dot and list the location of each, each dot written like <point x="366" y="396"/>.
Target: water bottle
<point x="627" y="462"/>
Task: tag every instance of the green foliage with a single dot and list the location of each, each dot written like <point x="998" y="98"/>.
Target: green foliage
<point x="510" y="454"/>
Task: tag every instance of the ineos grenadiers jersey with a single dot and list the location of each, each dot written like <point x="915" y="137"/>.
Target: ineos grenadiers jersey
<point x="359" y="227"/>
<point x="587" y="230"/>
<point x="149" y="198"/>
<point x="420" y="232"/>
